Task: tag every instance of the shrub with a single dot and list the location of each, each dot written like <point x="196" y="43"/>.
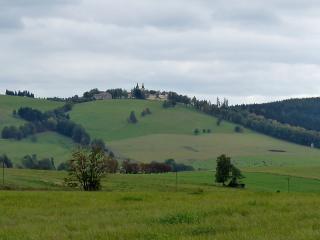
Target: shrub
<point x="145" y="112"/>
<point x="98" y="143"/>
<point x="129" y="167"/>
<point x="132" y="118"/>
<point x="46" y="164"/>
<point x="112" y="165"/>
<point x="238" y="129"/>
<point x="63" y="166"/>
<point x="32" y="162"/>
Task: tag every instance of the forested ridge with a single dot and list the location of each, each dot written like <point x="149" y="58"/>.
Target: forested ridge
<point x="297" y="112"/>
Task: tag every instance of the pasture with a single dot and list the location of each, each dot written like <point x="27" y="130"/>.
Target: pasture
<point x="148" y="207"/>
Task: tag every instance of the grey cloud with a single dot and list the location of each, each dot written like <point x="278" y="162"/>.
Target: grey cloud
<point x="250" y="50"/>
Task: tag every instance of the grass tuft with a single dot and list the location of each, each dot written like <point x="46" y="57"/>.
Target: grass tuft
<point x="180" y="218"/>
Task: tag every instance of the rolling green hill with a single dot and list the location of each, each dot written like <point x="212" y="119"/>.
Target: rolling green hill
<point x="166" y="133"/>
<point x="108" y="119"/>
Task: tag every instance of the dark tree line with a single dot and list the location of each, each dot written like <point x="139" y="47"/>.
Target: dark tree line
<point x="176" y="98"/>
<point x="20" y="93"/>
<point x="258" y="123"/>
<point x="297" y="112"/>
<point x="56" y="120"/>
<point x="32" y="162"/>
<point x="118" y="93"/>
<point x="129" y="167"/>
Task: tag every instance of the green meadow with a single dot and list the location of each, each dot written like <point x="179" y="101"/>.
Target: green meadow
<point x="151" y="207"/>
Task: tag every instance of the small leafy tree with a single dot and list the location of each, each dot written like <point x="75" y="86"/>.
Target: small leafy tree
<point x="86" y="168"/>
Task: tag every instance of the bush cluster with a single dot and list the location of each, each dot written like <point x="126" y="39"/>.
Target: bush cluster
<point x="145" y="112"/>
<point x="20" y="93"/>
<point x="129" y="167"/>
<point x="32" y="162"/>
<point x="56" y="120"/>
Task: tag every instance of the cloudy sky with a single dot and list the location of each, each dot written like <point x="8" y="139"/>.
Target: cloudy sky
<point x="244" y="50"/>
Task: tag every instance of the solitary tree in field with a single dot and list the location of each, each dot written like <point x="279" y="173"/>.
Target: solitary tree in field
<point x="223" y="169"/>
<point x="226" y="171"/>
<point x="86" y="168"/>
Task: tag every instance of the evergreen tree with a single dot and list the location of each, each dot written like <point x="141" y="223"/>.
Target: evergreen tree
<point x="132" y="118"/>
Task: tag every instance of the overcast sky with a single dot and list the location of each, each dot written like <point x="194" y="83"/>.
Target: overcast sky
<point x="246" y="51"/>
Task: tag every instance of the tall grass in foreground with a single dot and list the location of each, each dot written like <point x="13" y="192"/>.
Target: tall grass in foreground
<point x="218" y="214"/>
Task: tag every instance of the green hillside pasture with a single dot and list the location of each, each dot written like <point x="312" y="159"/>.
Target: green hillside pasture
<point x="150" y="213"/>
<point x="246" y="149"/>
<point x="10" y="103"/>
<point x="108" y="119"/>
<point x="47" y="144"/>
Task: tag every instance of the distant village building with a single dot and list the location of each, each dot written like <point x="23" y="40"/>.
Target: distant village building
<point x="150" y="95"/>
<point x="158" y="96"/>
<point x="102" y="96"/>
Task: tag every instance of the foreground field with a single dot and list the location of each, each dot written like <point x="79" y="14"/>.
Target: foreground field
<point x="148" y="207"/>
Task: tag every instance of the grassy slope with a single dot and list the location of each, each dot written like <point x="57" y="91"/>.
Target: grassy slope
<point x="167" y="133"/>
<point x="108" y="119"/>
<point x="247" y="150"/>
<point x="47" y="144"/>
<point x="10" y="103"/>
<point x="147" y="207"/>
